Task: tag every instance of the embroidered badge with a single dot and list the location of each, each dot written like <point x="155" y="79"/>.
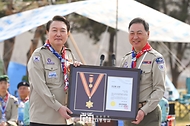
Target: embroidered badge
<point x="146" y="62"/>
<point x="49" y="62"/>
<point x="160" y="60"/>
<point x="161" y="67"/>
<point x="36" y="58"/>
<point x="52" y="75"/>
<point x="16" y="102"/>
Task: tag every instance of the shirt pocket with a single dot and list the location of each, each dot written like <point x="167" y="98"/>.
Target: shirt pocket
<point x="52" y="74"/>
<point x="146" y="76"/>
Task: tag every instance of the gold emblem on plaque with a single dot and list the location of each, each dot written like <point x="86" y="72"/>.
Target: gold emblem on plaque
<point x="89" y="104"/>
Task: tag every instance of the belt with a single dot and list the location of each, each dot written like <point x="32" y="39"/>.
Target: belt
<point x="141" y="104"/>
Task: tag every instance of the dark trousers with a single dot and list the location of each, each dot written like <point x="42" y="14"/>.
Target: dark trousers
<point x="39" y="124"/>
<point x="151" y="119"/>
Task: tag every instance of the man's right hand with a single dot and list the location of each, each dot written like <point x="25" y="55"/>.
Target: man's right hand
<point x="139" y="117"/>
<point x="64" y="111"/>
<point x="3" y="124"/>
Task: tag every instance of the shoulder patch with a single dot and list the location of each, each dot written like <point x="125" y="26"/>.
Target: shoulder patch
<point x="160" y="60"/>
<point x="36" y="58"/>
<point x="15" y="100"/>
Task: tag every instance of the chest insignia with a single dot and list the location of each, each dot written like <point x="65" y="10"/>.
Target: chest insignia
<point x="49" y="62"/>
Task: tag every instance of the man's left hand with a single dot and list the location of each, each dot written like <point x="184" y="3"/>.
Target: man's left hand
<point x="139" y="117"/>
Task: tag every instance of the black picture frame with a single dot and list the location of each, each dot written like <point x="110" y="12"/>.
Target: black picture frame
<point x="78" y="98"/>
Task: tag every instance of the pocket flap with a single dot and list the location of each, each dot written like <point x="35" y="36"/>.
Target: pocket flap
<point x="146" y="71"/>
<point x="51" y="68"/>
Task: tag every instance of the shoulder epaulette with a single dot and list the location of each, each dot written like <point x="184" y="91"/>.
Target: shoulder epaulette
<point x="68" y="49"/>
<point x="39" y="49"/>
<point x="13" y="97"/>
<point x="155" y="53"/>
<point x="43" y="47"/>
<point x="128" y="53"/>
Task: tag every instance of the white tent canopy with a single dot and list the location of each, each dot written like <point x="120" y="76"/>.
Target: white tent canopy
<point x="162" y="27"/>
<point x="16" y="24"/>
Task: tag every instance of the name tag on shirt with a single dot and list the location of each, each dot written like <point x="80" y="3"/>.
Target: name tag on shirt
<point x="52" y="75"/>
<point x="146" y="62"/>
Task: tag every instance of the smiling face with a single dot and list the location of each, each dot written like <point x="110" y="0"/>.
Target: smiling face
<point x="138" y="36"/>
<point x="57" y="35"/>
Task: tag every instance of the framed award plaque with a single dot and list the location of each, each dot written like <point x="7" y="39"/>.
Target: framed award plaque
<point x="104" y="91"/>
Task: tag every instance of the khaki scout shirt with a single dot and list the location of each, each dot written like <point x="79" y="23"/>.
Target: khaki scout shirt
<point x="47" y="93"/>
<point x="11" y="111"/>
<point x="152" y="83"/>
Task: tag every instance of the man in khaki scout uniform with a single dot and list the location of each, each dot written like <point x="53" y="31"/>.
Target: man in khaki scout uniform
<point x="153" y="71"/>
<point x="8" y="104"/>
<point x="48" y="76"/>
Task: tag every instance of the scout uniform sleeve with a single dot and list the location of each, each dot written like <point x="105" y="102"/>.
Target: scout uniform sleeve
<point x="37" y="78"/>
<point x="158" y="86"/>
<point x="14" y="112"/>
<point x="123" y="62"/>
<point x="70" y="56"/>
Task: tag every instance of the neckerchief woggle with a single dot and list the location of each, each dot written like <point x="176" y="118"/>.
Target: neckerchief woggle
<point x="63" y="62"/>
<point x="4" y="102"/>
<point x="135" y="56"/>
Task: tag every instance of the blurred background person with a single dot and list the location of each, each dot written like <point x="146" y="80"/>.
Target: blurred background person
<point x="165" y="111"/>
<point x="23" y="92"/>
<point x="8" y="104"/>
